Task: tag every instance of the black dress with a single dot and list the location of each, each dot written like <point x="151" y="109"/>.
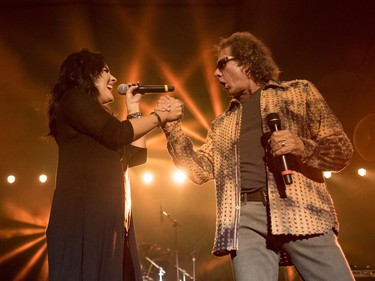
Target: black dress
<point x="86" y="237"/>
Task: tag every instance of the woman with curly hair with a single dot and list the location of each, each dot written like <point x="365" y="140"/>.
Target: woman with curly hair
<point x="90" y="236"/>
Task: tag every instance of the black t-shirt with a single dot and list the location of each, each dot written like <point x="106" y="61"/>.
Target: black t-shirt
<point x="252" y="153"/>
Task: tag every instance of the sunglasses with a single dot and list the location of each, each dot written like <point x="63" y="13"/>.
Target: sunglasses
<point x="222" y="63"/>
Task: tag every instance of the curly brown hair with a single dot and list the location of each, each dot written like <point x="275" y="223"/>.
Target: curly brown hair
<point x="252" y="54"/>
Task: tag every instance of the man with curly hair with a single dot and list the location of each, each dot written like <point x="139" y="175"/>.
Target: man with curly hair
<point x="267" y="153"/>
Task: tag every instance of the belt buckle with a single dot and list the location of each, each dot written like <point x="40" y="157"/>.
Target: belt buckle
<point x="259" y="195"/>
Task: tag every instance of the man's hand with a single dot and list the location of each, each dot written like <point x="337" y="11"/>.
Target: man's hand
<point x="169" y="109"/>
<point x="283" y="142"/>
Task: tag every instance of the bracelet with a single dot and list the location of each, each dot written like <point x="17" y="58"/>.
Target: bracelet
<point x="134" y="115"/>
<point x="158" y="117"/>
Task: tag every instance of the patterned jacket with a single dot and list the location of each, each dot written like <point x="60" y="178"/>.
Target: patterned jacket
<point x="302" y="208"/>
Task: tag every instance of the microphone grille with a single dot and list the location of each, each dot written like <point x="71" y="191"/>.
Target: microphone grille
<point x="122" y="88"/>
<point x="273" y="118"/>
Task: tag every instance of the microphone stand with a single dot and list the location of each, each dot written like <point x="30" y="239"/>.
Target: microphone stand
<point x="193" y="260"/>
<point x="161" y="270"/>
<point x="175" y="224"/>
<point x="184" y="274"/>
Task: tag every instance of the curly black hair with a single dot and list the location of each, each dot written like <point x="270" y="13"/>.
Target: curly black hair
<point x="79" y="70"/>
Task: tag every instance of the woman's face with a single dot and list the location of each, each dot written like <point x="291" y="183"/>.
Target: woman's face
<point x="104" y="83"/>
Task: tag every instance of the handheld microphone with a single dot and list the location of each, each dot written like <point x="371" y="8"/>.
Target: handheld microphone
<point x="145" y="89"/>
<point x="274" y="124"/>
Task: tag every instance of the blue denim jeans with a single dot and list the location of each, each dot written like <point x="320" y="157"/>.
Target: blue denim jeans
<point x="316" y="258"/>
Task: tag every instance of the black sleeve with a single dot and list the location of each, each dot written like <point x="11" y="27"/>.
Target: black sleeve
<point x="88" y="117"/>
<point x="135" y="155"/>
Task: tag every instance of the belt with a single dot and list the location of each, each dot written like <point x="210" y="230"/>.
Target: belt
<point x="258" y="195"/>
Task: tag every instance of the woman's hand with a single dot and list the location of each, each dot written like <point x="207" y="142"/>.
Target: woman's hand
<point x="169" y="109"/>
<point x="132" y="100"/>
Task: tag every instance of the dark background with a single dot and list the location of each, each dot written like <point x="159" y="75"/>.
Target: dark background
<point x="331" y="43"/>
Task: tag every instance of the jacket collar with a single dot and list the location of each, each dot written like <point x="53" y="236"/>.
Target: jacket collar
<point x="270" y="84"/>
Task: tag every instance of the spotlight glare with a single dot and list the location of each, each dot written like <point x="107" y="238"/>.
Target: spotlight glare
<point x="11" y="179"/>
<point x="147" y="178"/>
<point x="179" y="177"/>
<point x="42" y="178"/>
<point x="327" y="174"/>
<point x="362" y="172"/>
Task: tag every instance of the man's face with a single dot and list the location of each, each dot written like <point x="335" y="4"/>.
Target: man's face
<point x="232" y="77"/>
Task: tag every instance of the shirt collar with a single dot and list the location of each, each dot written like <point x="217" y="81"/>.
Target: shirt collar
<point x="270" y="84"/>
